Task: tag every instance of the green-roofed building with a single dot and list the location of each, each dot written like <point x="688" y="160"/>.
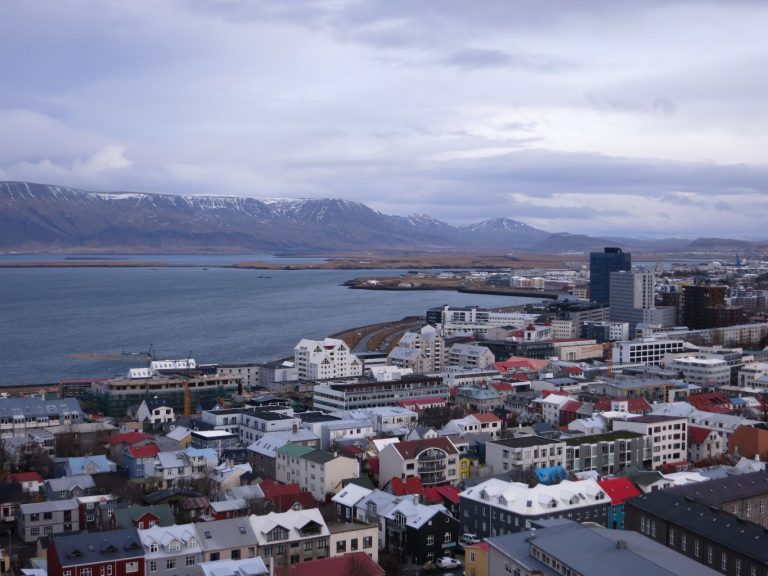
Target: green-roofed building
<point x="317" y="471"/>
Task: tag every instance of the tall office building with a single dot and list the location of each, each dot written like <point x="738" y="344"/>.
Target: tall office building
<point x="705" y="306"/>
<point x="601" y="264"/>
<point x="632" y="298"/>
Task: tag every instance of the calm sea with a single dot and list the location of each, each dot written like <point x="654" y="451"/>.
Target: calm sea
<point x="60" y="323"/>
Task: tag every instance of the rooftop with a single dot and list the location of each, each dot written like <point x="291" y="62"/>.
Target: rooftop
<point x="526" y="442"/>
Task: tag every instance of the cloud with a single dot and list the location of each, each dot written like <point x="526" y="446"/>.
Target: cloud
<point x="480" y="58"/>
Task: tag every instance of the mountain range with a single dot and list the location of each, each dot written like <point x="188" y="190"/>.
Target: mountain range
<point x="40" y="217"/>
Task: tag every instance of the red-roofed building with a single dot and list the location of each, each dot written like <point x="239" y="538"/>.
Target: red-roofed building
<point x="704" y="443"/>
<point x="532" y="366"/>
<point x="130" y="438"/>
<point x="119" y="444"/>
<point x="420" y="404"/>
<point x="619" y="490"/>
<point x="284" y="497"/>
<point x="357" y="563"/>
<point x="434" y="460"/>
<point x="31" y="482"/>
<point x="574" y="371"/>
<point x="569" y="412"/>
<point x="446" y="495"/>
<point x="411" y="485"/>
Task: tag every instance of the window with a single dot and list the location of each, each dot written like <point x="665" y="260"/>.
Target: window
<point x="85" y="572"/>
<point x="47" y="515"/>
<point x="34" y="531"/>
<point x="132" y="566"/>
<point x="341" y="546"/>
<point x="447" y="537"/>
<point x="723" y="562"/>
<point x="67" y="573"/>
<point x="34" y="517"/>
<point x="170" y="564"/>
<point x="710" y="554"/>
<point x="109" y="569"/>
<point x="367" y="542"/>
<point x="430" y="540"/>
<point x="174" y="546"/>
<point x="353" y="544"/>
<point x="308" y="546"/>
<point x="153" y="566"/>
<point x="153" y="547"/>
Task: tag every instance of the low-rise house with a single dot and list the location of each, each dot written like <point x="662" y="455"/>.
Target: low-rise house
<point x="171" y="550"/>
<point x="111" y="553"/>
<point x="335" y="432"/>
<point x="140" y="460"/>
<point x="317" y="471"/>
<point x="291" y="537"/>
<point x="284" y="497"/>
<point x="434" y="460"/>
<point x="419" y="533"/>
<point x="497" y="507"/>
<point x="476" y="559"/>
<point x="119" y="442"/>
<point x="10" y="496"/>
<point x="39" y="519"/>
<point x="155" y="412"/>
<point x="262" y="452"/>
<point x="31" y="482"/>
<point x="478" y="399"/>
<point x="352" y="537"/>
<point x="231" y="539"/>
<point x="89" y="465"/>
<point x="174" y="468"/>
<point x="487" y="423"/>
<point x="703" y="443"/>
<point x="140" y="517"/>
<point x="216" y="440"/>
<point x="225" y="509"/>
<point x="69" y="487"/>
<point x="619" y="490"/>
<point x="247" y="567"/>
<point x="357" y="563"/>
<point x="347" y="499"/>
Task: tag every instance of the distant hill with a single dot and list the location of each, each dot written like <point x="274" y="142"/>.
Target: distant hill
<point x="40" y="217"/>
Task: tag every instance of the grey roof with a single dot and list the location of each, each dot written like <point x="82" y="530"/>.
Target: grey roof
<point x="567" y="541"/>
<point x="312" y="417"/>
<point x="721" y="490"/>
<point x="82" y="481"/>
<point x="727" y="530"/>
<point x="10" y="407"/>
<point x="226" y="534"/>
<point x="319" y="456"/>
<point x="125" y="516"/>
<point x="51" y="506"/>
<point x="526" y="441"/>
<point x="92" y="548"/>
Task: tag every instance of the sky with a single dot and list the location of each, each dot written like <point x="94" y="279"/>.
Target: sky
<point x="615" y="117"/>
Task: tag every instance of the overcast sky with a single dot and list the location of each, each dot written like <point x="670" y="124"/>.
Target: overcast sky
<point x="631" y="117"/>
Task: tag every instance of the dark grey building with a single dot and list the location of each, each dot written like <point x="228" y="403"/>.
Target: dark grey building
<point x="608" y="453"/>
<point x="703" y="533"/>
<point x="601" y="264"/>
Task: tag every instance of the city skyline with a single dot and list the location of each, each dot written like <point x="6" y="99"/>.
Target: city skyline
<point x="601" y="118"/>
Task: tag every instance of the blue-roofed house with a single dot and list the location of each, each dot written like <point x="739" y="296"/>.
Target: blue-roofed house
<point x="89" y="465"/>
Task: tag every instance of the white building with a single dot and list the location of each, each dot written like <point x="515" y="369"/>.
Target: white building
<point x="322" y="359"/>
<point x="749" y="375"/>
<point x="704" y="372"/>
<point x="317" y="471"/>
<point x="669" y="434"/>
<point x="291" y="537"/>
<point x="646" y="351"/>
<point x="422" y="351"/>
<point x="471" y="356"/>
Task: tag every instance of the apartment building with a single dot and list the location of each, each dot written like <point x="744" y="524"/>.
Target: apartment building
<point x="109" y="553"/>
<point x="358" y="393"/>
<point x="18" y="416"/>
<point x="422" y="351"/>
<point x="669" y="436"/>
<point x="291" y="537"/>
<point x="171" y="550"/>
<point x="38" y="519"/>
<point x="609" y="453"/>
<point x="524" y="453"/>
<point x="434" y="460"/>
<point x="176" y="468"/>
<point x="324" y="359"/>
<point x="645" y="351"/>
<point x="704" y="372"/>
<point x="470" y="356"/>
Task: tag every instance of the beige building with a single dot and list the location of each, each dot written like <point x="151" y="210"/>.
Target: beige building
<point x="524" y="453"/>
<point x="669" y="433"/>
<point x="317" y="471"/>
<point x="434" y="460"/>
<point x="354" y="537"/>
<point x="423" y="351"/>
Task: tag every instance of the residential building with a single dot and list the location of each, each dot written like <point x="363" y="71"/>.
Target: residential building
<point x="478" y="399"/>
<point x="423" y="351"/>
<point x="749" y="441"/>
<point x="247" y="567"/>
<point x="487" y="423"/>
<point x="110" y="553"/>
<point x="231" y="539"/>
<point x="563" y="547"/>
<point x="434" y="460"/>
<point x="703" y="372"/>
<point x="750" y="375"/>
<point x="669" y="434"/>
<point x="324" y="359"/>
<point x="38" y="519"/>
<point x="704" y="443"/>
<point x="388" y="419"/>
<point x="256" y="423"/>
<point x="69" y="487"/>
<point x="419" y="533"/>
<point x="357" y="393"/>
<point x="713" y="538"/>
<point x="357" y="563"/>
<point x="291" y="537"/>
<point x="262" y="454"/>
<point x="346" y="500"/>
<point x="609" y="453"/>
<point x="601" y="265"/>
<point x="88" y="465"/>
<point x="497" y="507"/>
<point x="451" y="320"/>
<point x="176" y="468"/>
<point x="471" y="356"/>
<point x="524" y="454"/>
<point x="171" y="550"/>
<point x="352" y="537"/>
<point x="317" y="471"/>
<point x="216" y="440"/>
<point x="155" y="411"/>
<point x="31" y="482"/>
<point x="476" y="559"/>
<point x="18" y="416"/>
<point x="619" y="490"/>
<point x="605" y="331"/>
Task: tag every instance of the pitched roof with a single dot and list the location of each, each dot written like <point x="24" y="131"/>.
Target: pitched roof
<point x="97" y="547"/>
<point x="698" y="435"/>
<point x="485" y="417"/>
<point x="143" y="451"/>
<point x="26" y="477"/>
<point x="411" y="485"/>
<point x="619" y="489"/>
<point x="358" y="563"/>
<point x="409" y="449"/>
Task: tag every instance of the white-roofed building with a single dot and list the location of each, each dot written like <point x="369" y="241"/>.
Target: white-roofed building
<point x="291" y="537"/>
<point x="248" y="567"/>
<point x="347" y="499"/>
<point x="171" y="550"/>
<point x="322" y="359"/>
<point x="497" y="507"/>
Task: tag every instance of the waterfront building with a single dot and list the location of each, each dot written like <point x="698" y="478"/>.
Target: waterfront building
<point x="356" y="393"/>
<point x="422" y="351"/>
<point x="323" y="359"/>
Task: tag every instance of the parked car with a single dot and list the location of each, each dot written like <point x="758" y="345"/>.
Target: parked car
<point x="447" y="563"/>
<point x="469" y="538"/>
